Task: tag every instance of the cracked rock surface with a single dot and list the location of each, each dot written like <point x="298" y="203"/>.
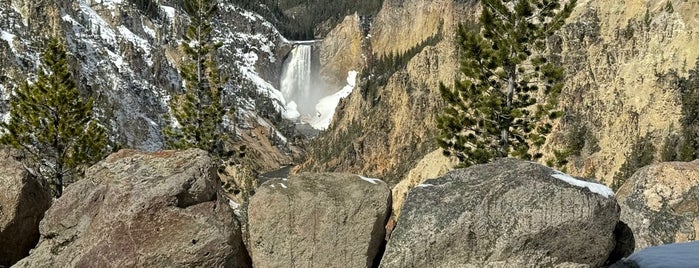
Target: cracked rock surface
<point x="138" y="209"/>
<point x="318" y="220"/>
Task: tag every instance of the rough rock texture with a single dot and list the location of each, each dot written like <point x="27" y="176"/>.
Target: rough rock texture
<point x="318" y="220"/>
<point x="623" y="59"/>
<point x="23" y="201"/>
<point x="660" y="203"/>
<point x="509" y="213"/>
<point x="433" y="165"/>
<point x="341" y="50"/>
<point x="142" y="209"/>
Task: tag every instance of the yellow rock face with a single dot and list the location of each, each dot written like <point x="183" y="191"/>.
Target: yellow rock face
<point x="619" y="62"/>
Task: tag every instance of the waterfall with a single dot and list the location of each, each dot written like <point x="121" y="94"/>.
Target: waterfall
<point x="309" y="101"/>
<point x="296" y="80"/>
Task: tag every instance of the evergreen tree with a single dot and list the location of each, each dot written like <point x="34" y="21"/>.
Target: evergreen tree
<point x="198" y="111"/>
<point x="499" y="109"/>
<point x="52" y="125"/>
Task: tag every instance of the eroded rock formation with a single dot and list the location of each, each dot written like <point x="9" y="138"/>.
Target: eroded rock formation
<point x="142" y="209"/>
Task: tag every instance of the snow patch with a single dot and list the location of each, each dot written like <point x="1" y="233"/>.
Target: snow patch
<point x="169" y="11"/>
<point x="422" y="185"/>
<point x="111" y="4"/>
<point x="325" y="109"/>
<point x="233" y="204"/>
<point x="9" y="38"/>
<point x="98" y="24"/>
<point x="248" y="15"/>
<point x="671" y="255"/>
<point x="369" y="180"/>
<point x="138" y="41"/>
<point x="149" y="31"/>
<point x="272" y="186"/>
<point x="282" y="185"/>
<point x="593" y="187"/>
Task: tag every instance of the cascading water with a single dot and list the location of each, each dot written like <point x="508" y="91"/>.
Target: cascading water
<point x="296" y="80"/>
<point x="306" y="101"/>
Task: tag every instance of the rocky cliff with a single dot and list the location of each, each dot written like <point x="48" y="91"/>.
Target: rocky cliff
<point x="382" y="130"/>
<point x="623" y="61"/>
<point x="126" y="57"/>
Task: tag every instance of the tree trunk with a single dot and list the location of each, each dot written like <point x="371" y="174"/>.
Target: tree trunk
<point x="510" y="95"/>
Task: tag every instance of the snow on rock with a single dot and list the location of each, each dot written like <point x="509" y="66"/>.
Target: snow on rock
<point x="98" y="25"/>
<point x="424" y="185"/>
<point x="111" y="4"/>
<point x="369" y="180"/>
<point x="169" y="11"/>
<point x="138" y="41"/>
<point x="593" y="187"/>
<point x="233" y="204"/>
<point x="325" y="109"/>
<point x="149" y="31"/>
<point x="9" y="38"/>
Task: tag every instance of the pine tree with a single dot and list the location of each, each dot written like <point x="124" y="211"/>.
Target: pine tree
<point x="52" y="125"/>
<point x="198" y="111"/>
<point x="508" y="97"/>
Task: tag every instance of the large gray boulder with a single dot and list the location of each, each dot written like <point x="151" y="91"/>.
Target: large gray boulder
<point x="23" y="201"/>
<point x="138" y="209"/>
<point x="508" y="213"/>
<point x="318" y="220"/>
<point x="660" y="203"/>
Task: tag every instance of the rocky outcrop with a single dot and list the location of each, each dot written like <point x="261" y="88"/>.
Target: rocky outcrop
<point x="508" y="213"/>
<point x="660" y="203"/>
<point x="433" y="165"/>
<point x="142" y="209"/>
<point x="318" y="220"/>
<point x="341" y="50"/>
<point x="23" y="201"/>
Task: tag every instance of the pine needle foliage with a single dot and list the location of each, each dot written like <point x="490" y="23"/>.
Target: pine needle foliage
<point x="52" y="125"/>
<point x="198" y="111"/>
<point x="504" y="106"/>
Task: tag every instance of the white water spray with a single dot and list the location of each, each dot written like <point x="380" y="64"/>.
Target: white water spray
<point x="296" y="80"/>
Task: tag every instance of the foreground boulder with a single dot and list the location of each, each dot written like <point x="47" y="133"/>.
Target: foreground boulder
<point x="660" y="203"/>
<point x="23" y="202"/>
<point x="139" y="209"/>
<point x="509" y="213"/>
<point x="318" y="220"/>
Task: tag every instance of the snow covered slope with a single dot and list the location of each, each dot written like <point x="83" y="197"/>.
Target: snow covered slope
<point x="128" y="61"/>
